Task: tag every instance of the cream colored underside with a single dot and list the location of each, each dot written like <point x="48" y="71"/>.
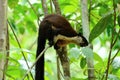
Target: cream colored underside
<point x="63" y="40"/>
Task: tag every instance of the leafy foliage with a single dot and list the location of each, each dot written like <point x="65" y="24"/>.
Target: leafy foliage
<point x="12" y="3"/>
<point x="83" y="62"/>
<point x="24" y="22"/>
<point x="100" y="26"/>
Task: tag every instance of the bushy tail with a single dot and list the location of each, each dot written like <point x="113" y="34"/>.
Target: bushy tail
<point x="39" y="68"/>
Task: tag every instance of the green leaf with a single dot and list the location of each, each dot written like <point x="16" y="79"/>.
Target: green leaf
<point x="87" y="52"/>
<point x="69" y="9"/>
<point x="22" y="30"/>
<point x="100" y="27"/>
<point x="103" y="9"/>
<point x="97" y="57"/>
<point x="83" y="62"/>
<point x="12" y="3"/>
<point x="13" y="25"/>
<point x="119" y="19"/>
<point x="15" y="71"/>
<point x="74" y="52"/>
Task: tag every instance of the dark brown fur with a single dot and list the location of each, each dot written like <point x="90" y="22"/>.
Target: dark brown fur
<point x="51" y="26"/>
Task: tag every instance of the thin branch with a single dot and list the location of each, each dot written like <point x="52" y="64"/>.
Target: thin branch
<point x="97" y="18"/>
<point x="108" y="63"/>
<point x="44" y="6"/>
<point x="31" y="46"/>
<point x="58" y="68"/>
<point x="62" y="53"/>
<point x="57" y="7"/>
<point x="34" y="12"/>
<point x="51" y="6"/>
<point x="19" y="46"/>
<point x="35" y="62"/>
<point x="62" y="75"/>
<point x="115" y="56"/>
<point x="115" y="53"/>
<point x="111" y="45"/>
<point x="111" y="61"/>
<point x="116" y="38"/>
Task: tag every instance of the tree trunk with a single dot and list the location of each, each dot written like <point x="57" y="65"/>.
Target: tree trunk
<point x="86" y="32"/>
<point x="62" y="53"/>
<point x="3" y="34"/>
